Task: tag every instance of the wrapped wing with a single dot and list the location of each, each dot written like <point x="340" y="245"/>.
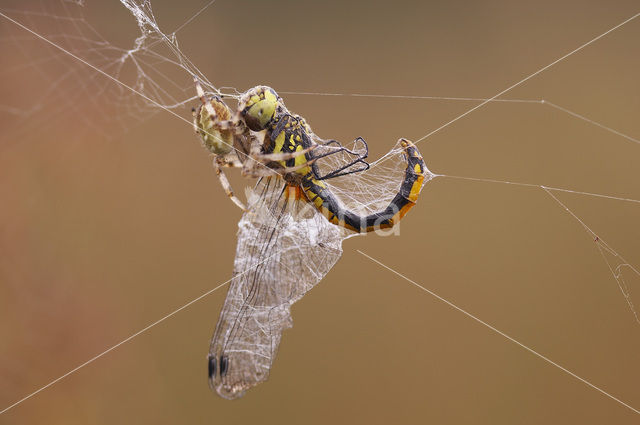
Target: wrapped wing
<point x="285" y="247"/>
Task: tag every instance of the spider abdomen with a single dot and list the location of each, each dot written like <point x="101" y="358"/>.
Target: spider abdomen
<point x="216" y="140"/>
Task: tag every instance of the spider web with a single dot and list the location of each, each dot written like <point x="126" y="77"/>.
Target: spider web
<point x="148" y="75"/>
<point x="155" y="66"/>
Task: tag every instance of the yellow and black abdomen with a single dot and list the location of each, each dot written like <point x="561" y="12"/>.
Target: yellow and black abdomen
<point x="291" y="134"/>
<point x="330" y="206"/>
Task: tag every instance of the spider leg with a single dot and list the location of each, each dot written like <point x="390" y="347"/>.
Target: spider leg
<point x="286" y="170"/>
<point x="238" y="127"/>
<point x="282" y="156"/>
<point x="229" y="160"/>
<point x="208" y="104"/>
<point x="214" y="123"/>
<point x="218" y="163"/>
<point x="252" y="169"/>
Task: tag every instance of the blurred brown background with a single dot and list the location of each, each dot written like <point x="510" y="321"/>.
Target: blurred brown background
<point x="102" y="236"/>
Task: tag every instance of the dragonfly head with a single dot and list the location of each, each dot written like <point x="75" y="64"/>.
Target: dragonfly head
<point x="258" y="106"/>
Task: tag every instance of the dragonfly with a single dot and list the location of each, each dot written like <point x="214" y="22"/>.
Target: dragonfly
<point x="310" y="195"/>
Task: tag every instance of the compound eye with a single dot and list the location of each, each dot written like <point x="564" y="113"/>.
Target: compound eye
<point x="254" y="119"/>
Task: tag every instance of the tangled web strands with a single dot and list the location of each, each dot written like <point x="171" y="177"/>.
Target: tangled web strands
<point x="285" y="247"/>
<point x="151" y="38"/>
<point x="103" y="87"/>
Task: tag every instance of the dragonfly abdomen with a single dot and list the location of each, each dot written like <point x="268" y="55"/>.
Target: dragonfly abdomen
<point x="318" y="193"/>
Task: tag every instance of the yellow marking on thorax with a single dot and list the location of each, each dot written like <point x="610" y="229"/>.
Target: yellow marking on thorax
<point x="279" y="145"/>
<point x="301" y="160"/>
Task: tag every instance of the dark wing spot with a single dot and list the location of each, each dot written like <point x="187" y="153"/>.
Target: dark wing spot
<point x="224" y="365"/>
<point x="212" y="366"/>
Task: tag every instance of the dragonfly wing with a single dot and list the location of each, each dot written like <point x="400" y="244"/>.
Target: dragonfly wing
<point x="285" y="247"/>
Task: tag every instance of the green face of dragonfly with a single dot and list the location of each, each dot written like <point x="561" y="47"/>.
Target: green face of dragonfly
<point x="260" y="107"/>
